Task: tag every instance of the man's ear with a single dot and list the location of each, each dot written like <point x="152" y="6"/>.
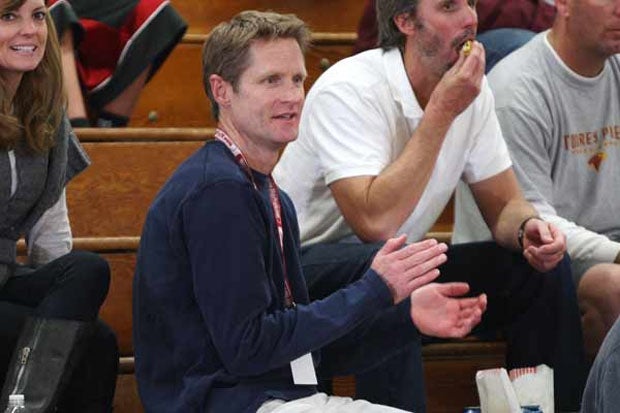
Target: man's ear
<point x="221" y="89"/>
<point x="405" y="23"/>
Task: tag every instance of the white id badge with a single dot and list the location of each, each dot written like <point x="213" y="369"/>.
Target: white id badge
<point x="303" y="370"/>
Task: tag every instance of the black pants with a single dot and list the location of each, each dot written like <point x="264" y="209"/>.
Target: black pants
<point x="537" y="314"/>
<point x="71" y="287"/>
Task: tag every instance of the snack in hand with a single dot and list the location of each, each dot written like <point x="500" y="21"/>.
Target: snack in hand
<point x="467" y="47"/>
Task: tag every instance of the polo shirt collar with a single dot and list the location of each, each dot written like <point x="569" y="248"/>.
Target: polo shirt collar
<point x="399" y="84"/>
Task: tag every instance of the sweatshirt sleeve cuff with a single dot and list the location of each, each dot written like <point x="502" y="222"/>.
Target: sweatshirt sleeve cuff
<point x="379" y="288"/>
<point x="606" y="252"/>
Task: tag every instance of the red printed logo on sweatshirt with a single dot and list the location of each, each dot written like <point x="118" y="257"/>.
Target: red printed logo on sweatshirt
<point x="596" y="160"/>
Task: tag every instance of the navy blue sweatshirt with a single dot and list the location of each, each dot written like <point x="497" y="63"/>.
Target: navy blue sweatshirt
<point x="211" y="329"/>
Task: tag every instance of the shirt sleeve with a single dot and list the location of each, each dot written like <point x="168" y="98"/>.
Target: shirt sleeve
<point x="527" y="135"/>
<point x="236" y="287"/>
<point x="349" y="132"/>
<point x="489" y="154"/>
<point x="607" y="395"/>
<point x="50" y="237"/>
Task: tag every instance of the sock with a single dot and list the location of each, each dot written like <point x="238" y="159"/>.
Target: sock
<point x="79" y="123"/>
<point x="111" y="120"/>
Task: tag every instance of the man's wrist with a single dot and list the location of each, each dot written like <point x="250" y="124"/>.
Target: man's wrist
<point x="521" y="230"/>
<point x="438" y="117"/>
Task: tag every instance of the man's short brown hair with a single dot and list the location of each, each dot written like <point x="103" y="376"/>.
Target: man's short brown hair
<point x="226" y="50"/>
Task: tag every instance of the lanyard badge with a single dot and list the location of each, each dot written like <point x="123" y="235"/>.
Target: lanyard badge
<point x="274" y="198"/>
<point x="302" y="368"/>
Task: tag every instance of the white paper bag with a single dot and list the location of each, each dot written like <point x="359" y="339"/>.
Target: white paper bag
<point x="496" y="392"/>
<point x="534" y="386"/>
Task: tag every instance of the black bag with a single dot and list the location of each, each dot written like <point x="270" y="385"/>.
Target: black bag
<point x="43" y="360"/>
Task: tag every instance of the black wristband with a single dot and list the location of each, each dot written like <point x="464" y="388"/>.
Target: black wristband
<point x="521" y="231"/>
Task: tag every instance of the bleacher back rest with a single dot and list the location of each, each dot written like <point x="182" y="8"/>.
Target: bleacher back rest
<point x="320" y="15"/>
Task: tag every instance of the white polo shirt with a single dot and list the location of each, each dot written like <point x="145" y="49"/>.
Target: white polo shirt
<point x="357" y="118"/>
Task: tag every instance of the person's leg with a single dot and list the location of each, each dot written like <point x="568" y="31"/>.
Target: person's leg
<point x="498" y="43"/>
<point x="71" y="287"/>
<point x="385" y="354"/>
<point x="397" y="382"/>
<point x="601" y="394"/>
<point x="322" y="403"/>
<point x="537" y="312"/>
<point x="389" y="374"/>
<point x="154" y="28"/>
<point x="598" y="293"/>
<point x="76" y="109"/>
<point x="329" y="267"/>
<point x="117" y="112"/>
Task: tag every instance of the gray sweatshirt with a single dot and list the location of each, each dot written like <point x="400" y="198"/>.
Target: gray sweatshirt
<point x="563" y="132"/>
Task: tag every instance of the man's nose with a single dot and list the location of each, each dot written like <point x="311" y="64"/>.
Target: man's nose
<point x="470" y="18"/>
<point x="616" y="10"/>
<point x="294" y="92"/>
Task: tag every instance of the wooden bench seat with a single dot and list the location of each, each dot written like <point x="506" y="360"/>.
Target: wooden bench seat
<point x="320" y="15"/>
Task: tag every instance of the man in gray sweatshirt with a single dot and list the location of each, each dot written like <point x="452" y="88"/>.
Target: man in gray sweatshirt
<point x="558" y="103"/>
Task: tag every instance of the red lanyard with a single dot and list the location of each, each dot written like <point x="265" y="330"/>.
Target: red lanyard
<point x="221" y="136"/>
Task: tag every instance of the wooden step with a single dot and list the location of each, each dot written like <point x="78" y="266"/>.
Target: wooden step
<point x="111" y="197"/>
<point x="320" y="15"/>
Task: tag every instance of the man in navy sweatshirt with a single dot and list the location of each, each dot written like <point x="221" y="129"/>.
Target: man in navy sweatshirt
<point x="222" y="319"/>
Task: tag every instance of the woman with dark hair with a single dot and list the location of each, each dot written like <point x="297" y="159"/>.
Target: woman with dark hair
<point x="52" y="348"/>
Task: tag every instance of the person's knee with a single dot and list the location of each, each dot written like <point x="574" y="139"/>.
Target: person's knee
<point x="90" y="275"/>
<point x="562" y="274"/>
<point x="598" y="292"/>
<point x="93" y="267"/>
<point x="563" y="270"/>
<point x="328" y="267"/>
<point x="599" y="289"/>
